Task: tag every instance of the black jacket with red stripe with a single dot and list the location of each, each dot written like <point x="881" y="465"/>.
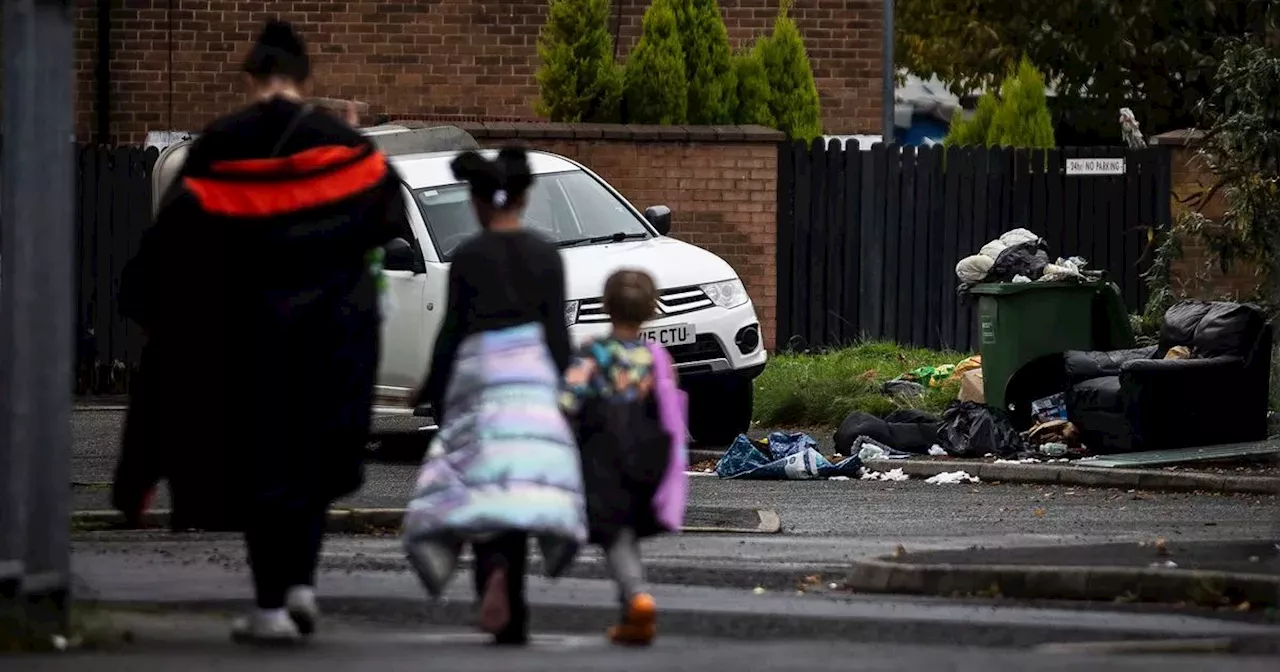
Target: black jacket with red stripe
<point x="261" y="312"/>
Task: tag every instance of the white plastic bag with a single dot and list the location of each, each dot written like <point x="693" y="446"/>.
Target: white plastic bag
<point x="974" y="268"/>
<point x="993" y="248"/>
<point x="1018" y="237"/>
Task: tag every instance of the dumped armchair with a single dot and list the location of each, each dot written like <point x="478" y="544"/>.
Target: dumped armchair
<point x="1205" y="383"/>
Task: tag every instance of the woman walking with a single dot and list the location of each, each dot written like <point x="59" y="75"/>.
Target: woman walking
<point x="262" y="314"/>
<point x="504" y="465"/>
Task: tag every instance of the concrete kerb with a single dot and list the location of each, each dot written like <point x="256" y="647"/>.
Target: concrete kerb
<point x="364" y="521"/>
<point x="1083" y="476"/>
<point x="1107" y="584"/>
<point x="859" y="624"/>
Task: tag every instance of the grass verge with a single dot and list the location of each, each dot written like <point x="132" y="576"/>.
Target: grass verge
<point x="806" y="390"/>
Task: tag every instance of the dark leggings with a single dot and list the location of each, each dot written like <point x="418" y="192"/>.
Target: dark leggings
<point x="283" y="536"/>
<point x="506" y="551"/>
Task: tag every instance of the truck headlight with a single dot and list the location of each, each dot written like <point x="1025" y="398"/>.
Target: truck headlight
<point x="571" y="312"/>
<point x="727" y="294"/>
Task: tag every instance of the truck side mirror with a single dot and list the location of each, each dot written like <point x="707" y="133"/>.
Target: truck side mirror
<point x="660" y="217"/>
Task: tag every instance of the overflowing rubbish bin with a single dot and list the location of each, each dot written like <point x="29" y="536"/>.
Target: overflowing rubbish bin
<point x="1024" y="327"/>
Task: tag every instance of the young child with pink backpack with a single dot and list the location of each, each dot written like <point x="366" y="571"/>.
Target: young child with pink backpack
<point x="630" y="421"/>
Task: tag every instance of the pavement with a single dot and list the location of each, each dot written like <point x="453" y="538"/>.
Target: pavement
<point x="198" y="643"/>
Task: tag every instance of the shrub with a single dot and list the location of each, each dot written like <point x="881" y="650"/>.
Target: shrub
<point x="1023" y="117"/>
<point x="1019" y="117"/>
<point x="972" y="132"/>
<point x="754" y="94"/>
<point x="657" y="89"/>
<point x="709" y="67"/>
<point x="578" y="79"/>
<point x="794" y="99"/>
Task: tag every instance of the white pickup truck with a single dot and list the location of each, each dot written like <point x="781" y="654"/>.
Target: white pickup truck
<point x="706" y="320"/>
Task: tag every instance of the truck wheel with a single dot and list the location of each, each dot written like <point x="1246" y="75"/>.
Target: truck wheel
<point x="719" y="411"/>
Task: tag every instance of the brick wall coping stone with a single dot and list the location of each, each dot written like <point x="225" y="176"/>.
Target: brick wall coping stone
<point x="1183" y="138"/>
<point x="339" y="105"/>
<point x="631" y="132"/>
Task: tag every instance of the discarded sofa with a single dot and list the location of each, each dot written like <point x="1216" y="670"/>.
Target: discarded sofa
<point x="1206" y="382"/>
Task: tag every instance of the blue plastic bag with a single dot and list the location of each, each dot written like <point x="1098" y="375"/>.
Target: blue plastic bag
<point x="782" y="456"/>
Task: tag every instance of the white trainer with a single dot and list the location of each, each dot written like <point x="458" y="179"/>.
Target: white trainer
<point x="265" y="626"/>
<point x="301" y="605"/>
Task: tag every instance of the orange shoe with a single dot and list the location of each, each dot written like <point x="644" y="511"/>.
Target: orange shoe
<point x="639" y="626"/>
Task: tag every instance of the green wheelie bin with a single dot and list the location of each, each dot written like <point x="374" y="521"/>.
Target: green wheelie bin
<point x="1023" y="329"/>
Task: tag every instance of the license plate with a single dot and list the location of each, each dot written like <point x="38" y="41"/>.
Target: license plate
<point x="675" y="334"/>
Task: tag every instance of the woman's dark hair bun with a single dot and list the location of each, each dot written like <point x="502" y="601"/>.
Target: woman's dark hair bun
<point x="501" y="183"/>
<point x="279" y="52"/>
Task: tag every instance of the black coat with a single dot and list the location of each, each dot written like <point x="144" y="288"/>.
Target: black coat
<point x="625" y="453"/>
<point x="262" y="317"/>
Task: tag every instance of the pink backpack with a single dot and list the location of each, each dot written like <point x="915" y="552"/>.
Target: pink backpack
<point x="673" y="410"/>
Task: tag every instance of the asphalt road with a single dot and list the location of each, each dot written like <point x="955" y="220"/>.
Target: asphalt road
<point x="198" y="643"/>
<point x="827" y="521"/>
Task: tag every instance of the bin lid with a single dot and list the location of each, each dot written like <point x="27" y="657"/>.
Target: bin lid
<point x="1007" y="288"/>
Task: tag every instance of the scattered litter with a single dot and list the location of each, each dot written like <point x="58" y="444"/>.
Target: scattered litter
<point x="872" y="452"/>
<point x="900" y="434"/>
<point x="1040" y="512"/>
<point x="838" y="478"/>
<point x="832" y="585"/>
<point x="900" y="551"/>
<point x="1162" y="547"/>
<point x="1254" y="559"/>
<point x="952" y="477"/>
<point x="965" y="365"/>
<point x="1054" y="449"/>
<point x="1053" y="407"/>
<point x="969" y="428"/>
<point x="1167" y="564"/>
<point x="891" y="475"/>
<point x="1055" y="431"/>
<point x="1021" y="460"/>
<point x="781" y="456"/>
<point x="759" y="590"/>
<point x="972" y="387"/>
<point x="902" y="388"/>
<point x="1020" y="279"/>
<point x="937" y="451"/>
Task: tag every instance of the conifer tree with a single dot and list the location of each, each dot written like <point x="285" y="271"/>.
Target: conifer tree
<point x="578" y="80"/>
<point x="657" y="90"/>
<point x="709" y="67"/>
<point x="794" y="102"/>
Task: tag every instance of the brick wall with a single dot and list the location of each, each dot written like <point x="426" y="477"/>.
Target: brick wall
<point x="721" y="185"/>
<point x="1196" y="275"/>
<point x="175" y="63"/>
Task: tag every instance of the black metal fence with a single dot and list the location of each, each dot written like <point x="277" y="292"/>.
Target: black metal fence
<point x="868" y="240"/>
<point x="113" y="208"/>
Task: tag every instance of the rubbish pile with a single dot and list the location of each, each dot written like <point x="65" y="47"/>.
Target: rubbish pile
<point x="1019" y="256"/>
<point x="1053" y="436"/>
<point x="782" y="456"/>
